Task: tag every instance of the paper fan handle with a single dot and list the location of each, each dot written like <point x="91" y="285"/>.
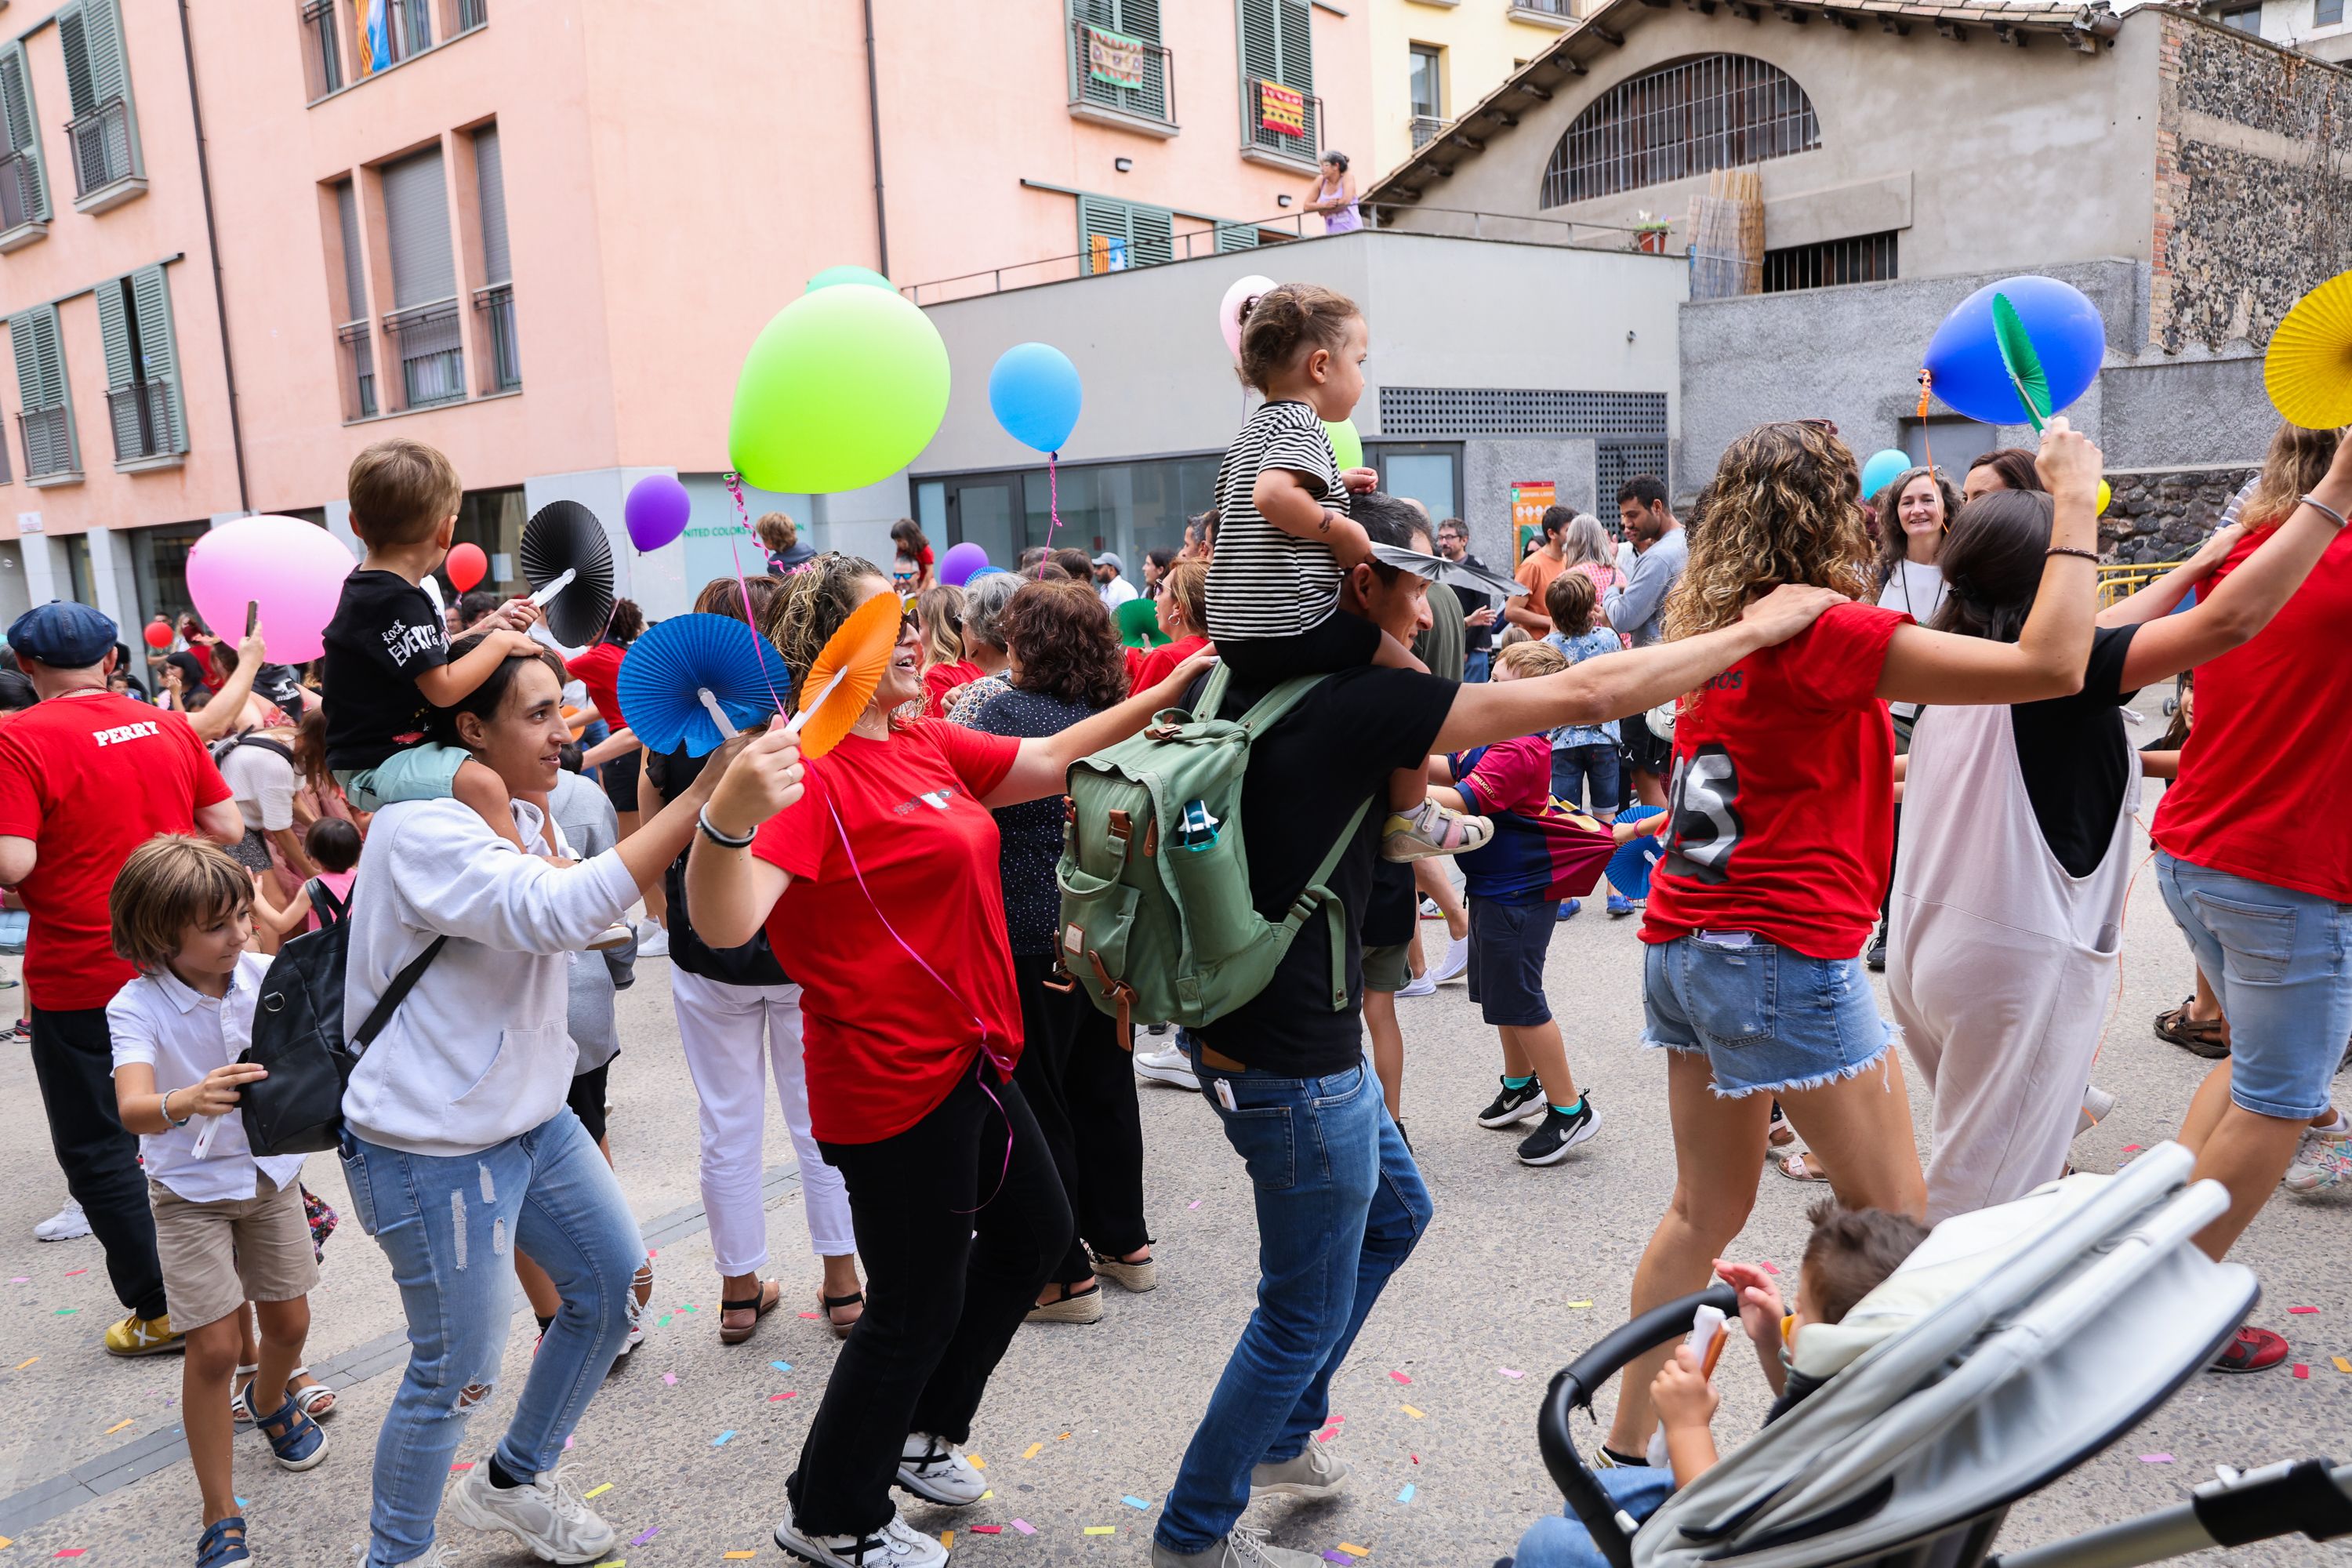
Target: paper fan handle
<point x="204" y="1145"/>
<point x="816" y="702"/>
<point x="563" y="582"/>
<point x="726" y="731"/>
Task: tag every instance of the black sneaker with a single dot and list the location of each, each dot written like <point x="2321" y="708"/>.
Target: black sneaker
<point x="1875" y="958"/>
<point x="1514" y="1104"/>
<point x="1550" y="1143"/>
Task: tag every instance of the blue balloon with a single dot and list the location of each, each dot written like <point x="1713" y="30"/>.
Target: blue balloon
<point x="1035" y="394"/>
<point x="1964" y="361"/>
<point x="1880" y="471"/>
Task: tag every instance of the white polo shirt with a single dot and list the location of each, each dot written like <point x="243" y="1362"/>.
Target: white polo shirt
<point x="184" y="1035"/>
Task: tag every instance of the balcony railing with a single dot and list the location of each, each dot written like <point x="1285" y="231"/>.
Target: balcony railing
<point x="410" y="25"/>
<point x="19" y="193"/>
<point x="49" y="441"/>
<point x="101" y="147"/>
<point x="504" y="371"/>
<point x="1097" y="64"/>
<point x="356" y="346"/>
<point x="142" y="417"/>
<point x="1547" y="10"/>
<point x="1260" y="140"/>
<point x="323" y="48"/>
<point x="1425" y="128"/>
<point x="432" y="354"/>
<point x="472" y="14"/>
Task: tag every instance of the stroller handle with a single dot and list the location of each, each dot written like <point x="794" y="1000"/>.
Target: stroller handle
<point x="1572" y="1389"/>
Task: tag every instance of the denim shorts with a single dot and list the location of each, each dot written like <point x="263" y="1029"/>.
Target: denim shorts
<point x="2281" y="962"/>
<point x="1768" y="1018"/>
<point x="425" y="772"/>
<point x="1508" y="944"/>
<point x="1573" y="766"/>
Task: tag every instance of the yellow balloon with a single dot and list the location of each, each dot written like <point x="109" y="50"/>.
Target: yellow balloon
<point x="2107" y="494"/>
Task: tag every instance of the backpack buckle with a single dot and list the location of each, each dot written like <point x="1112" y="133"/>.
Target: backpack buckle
<point x="1121" y="993"/>
<point x="1122" y="830"/>
<point x="1060" y="979"/>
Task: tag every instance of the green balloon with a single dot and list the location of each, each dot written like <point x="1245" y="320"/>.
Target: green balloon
<point x="1346" y="444"/>
<point x="848" y="274"/>
<point x="841" y="390"/>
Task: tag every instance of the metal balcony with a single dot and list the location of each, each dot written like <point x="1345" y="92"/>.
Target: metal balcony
<point x="355" y="347"/>
<point x="48" y="436"/>
<point x="504" y="371"/>
<point x="1149" y="107"/>
<point x="1260" y="144"/>
<point x="102" y="149"/>
<point x="141" y="414"/>
<point x="432" y="353"/>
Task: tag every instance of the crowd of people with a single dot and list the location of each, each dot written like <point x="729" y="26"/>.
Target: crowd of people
<point x="1743" y="710"/>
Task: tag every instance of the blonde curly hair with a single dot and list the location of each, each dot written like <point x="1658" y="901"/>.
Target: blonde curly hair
<point x="2297" y="462"/>
<point x="1782" y="508"/>
<point x="810" y="605"/>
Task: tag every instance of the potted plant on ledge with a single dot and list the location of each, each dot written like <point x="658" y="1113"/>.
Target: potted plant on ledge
<point x="1649" y="234"/>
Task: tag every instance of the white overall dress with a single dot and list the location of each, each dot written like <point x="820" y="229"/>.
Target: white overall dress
<point x="2001" y="963"/>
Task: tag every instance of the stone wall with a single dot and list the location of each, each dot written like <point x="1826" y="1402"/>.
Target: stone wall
<point x="2253" y="183"/>
<point x="2163" y="515"/>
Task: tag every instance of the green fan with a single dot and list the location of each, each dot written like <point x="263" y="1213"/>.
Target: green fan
<point x="2018" y="358"/>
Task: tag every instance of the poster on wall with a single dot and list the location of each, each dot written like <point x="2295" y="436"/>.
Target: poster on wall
<point x="1281" y="109"/>
<point x="1529" y="499"/>
<point x="1114" y="57"/>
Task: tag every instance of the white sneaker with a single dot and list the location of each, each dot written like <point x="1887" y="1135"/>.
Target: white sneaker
<point x="1456" y="960"/>
<point x="68" y="1224"/>
<point x="544" y="1514"/>
<point x="934" y="1469"/>
<point x="653" y="940"/>
<point x="2096" y="1103"/>
<point x="1423" y="985"/>
<point x="1167" y="1065"/>
<point x="897" y="1544"/>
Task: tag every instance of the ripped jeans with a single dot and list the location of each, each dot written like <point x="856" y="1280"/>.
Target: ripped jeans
<point x="451" y="1227"/>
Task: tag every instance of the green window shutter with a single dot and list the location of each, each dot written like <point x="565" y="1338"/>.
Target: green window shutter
<point x="110" y="70"/>
<point x="1139" y="18"/>
<point x="114" y="334"/>
<point x="1130" y="18"/>
<point x="159" y="363"/>
<point x="1278" y="45"/>
<point x="1261" y="41"/>
<point x="1236" y="236"/>
<point x="1144" y="236"/>
<point x="1154" y="231"/>
<point x="48" y="423"/>
<point x="73" y="42"/>
<point x="1297" y="44"/>
<point x="22" y="341"/>
<point x="22" y="128"/>
<point x="97" y="74"/>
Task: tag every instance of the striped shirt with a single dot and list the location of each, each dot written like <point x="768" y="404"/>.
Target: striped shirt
<point x="1265" y="583"/>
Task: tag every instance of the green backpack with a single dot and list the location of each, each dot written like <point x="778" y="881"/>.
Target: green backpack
<point x="1157" y="918"/>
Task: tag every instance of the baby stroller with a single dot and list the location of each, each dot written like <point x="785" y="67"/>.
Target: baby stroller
<point x="2015" y="1343"/>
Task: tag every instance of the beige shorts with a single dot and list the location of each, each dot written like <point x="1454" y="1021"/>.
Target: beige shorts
<point x="217" y="1257"/>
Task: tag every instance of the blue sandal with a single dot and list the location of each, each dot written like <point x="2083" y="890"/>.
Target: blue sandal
<point x="214" y="1549"/>
<point x="293" y="1436"/>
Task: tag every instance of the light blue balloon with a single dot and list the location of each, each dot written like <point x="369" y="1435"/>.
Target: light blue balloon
<point x="1880" y="471"/>
<point x="1035" y="394"/>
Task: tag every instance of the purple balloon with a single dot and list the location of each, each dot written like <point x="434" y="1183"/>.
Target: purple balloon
<point x="657" y="510"/>
<point x="961" y="562"/>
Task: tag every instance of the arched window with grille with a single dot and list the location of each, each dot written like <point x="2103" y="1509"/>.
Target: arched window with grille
<point x="1710" y="112"/>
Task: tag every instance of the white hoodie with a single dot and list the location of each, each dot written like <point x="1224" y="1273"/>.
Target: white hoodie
<point x="478" y="1052"/>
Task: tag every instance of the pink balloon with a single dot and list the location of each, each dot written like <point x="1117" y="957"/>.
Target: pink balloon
<point x="293" y="569"/>
<point x="1229" y="310"/>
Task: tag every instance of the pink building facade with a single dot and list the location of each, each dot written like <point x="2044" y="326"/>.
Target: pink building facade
<point x="240" y="241"/>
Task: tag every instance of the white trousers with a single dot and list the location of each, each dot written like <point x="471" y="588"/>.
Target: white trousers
<point x="731" y="1034"/>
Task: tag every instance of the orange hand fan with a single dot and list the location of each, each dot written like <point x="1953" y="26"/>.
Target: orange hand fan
<point x="842" y="680"/>
<point x="2308" y="369"/>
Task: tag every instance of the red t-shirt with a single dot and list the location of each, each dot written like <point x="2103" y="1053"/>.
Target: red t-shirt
<point x="89" y="778"/>
<point x="942" y="679"/>
<point x="599" y="670"/>
<point x="1158" y="664"/>
<point x="2257" y="796"/>
<point x="1782" y="800"/>
<point x="886" y="1041"/>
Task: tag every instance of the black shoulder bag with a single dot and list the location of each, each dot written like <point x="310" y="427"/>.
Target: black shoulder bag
<point x="297" y="1035"/>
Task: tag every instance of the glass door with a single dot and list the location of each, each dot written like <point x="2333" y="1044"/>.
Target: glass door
<point x="982" y="512"/>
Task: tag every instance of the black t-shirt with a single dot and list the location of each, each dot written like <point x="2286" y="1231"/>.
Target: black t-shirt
<point x="2074" y="757"/>
<point x="754" y="963"/>
<point x="1389" y="916"/>
<point x="384" y="631"/>
<point x="1481" y="638"/>
<point x="1306" y="775"/>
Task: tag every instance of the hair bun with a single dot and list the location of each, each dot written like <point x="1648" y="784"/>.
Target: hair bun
<point x="1249" y="304"/>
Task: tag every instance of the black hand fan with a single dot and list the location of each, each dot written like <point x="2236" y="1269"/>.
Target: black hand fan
<point x="569" y="562"/>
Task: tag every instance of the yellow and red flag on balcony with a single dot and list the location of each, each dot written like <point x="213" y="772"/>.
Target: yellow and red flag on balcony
<point x="1281" y="109"/>
<point x="374" y="37"/>
<point x="1114" y="57"/>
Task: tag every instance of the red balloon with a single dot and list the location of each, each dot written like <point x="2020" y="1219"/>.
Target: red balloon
<point x="159" y="633"/>
<point x="466" y="566"/>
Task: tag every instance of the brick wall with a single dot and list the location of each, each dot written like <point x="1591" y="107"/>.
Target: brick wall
<point x="2163" y="514"/>
<point x="2253" y="183"/>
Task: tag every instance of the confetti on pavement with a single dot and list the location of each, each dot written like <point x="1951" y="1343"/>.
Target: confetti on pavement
<point x="1400" y="1377"/>
<point x="1406" y="1495"/>
<point x="1193" y="1204"/>
<point x="947" y="1539"/>
<point x="2343" y="1365"/>
<point x="1414" y="1457"/>
<point x="461" y="1465"/>
<point x="1352" y="1550"/>
<point x="65" y="1311"/>
<point x="1063" y="1438"/>
<point x="1768" y="1267"/>
<point x="782" y="1365"/>
<point x="2131" y="1148"/>
<point x="987" y="1530"/>
<point x="1102" y="1530"/>
<point x="788" y="1394"/>
<point x="976" y="1462"/>
<point x="1337" y="1557"/>
<point x="1510" y="1372"/>
<point x="1138" y="1504"/>
<point x="117" y="1427"/>
<point x="732" y="1556"/>
<point x="641" y="1536"/>
<point x="1579" y="1304"/>
<point x="2302" y="1309"/>
<point x="1033" y="1451"/>
<point x="71" y="1272"/>
<point x="2156" y="1458"/>
<point x="720" y="1441"/>
<point x="1409" y="1410"/>
<point x="1024" y="1527"/>
<point x="808" y="1315"/>
<point x="595" y="1492"/>
<point x="2301" y="1370"/>
<point x="73" y="1552"/>
<point x="670" y="1378"/>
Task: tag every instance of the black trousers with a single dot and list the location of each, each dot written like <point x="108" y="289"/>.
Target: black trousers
<point x="941" y="1302"/>
<point x="1080" y="1085"/>
<point x="73" y="1058"/>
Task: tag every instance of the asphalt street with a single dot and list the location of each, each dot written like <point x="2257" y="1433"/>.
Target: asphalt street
<point x="687" y="1444"/>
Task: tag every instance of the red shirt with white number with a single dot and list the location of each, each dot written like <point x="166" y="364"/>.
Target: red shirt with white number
<point x="2260" y="792"/>
<point x="1782" y="802"/>
<point x="89" y="777"/>
<point x="886" y="1038"/>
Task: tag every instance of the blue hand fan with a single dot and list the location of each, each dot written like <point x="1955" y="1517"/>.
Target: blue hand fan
<point x="680" y="676"/>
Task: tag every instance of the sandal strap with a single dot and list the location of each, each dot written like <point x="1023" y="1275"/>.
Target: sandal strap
<point x="749" y="1304"/>
<point x="212" y="1545"/>
<point x="852" y="1299"/>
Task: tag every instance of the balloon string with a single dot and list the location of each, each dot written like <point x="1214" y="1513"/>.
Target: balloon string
<point x="987" y="1048"/>
<point x="761" y="648"/>
<point x="1053" y="511"/>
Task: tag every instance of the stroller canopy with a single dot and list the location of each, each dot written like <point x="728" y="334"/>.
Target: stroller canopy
<point x="2014" y="1344"/>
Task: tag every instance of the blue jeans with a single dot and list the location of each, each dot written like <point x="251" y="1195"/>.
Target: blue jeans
<point x="1561" y="1539"/>
<point x="1573" y="767"/>
<point x="2281" y="962"/>
<point x="1477" y="664"/>
<point x="1340" y="1205"/>
<point x="450" y="1227"/>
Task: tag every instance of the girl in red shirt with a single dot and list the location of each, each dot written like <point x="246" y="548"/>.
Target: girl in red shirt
<point x="1183" y="609"/>
<point x="1780" y="827"/>
<point x="874" y="870"/>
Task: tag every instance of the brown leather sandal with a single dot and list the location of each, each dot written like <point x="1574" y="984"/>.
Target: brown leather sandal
<point x="759" y="1306"/>
<point x="2198" y="1036"/>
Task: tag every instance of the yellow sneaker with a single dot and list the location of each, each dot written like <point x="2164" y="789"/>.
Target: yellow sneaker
<point x="136" y="1335"/>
